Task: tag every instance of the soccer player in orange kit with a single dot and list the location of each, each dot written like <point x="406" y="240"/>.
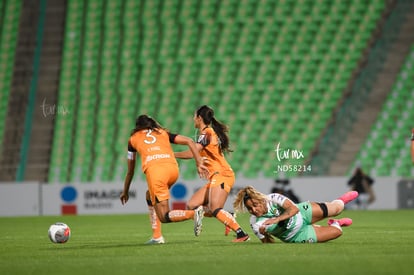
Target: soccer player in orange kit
<point x="212" y="143"/>
<point x="153" y="144"/>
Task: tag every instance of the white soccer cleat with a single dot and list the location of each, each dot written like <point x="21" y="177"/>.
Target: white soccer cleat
<point x="198" y="220"/>
<point x="159" y="240"/>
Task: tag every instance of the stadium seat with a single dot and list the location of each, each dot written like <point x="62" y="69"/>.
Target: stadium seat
<point x="388" y="140"/>
<point x="272" y="71"/>
<point x="10" y="12"/>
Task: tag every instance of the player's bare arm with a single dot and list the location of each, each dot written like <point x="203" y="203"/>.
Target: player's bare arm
<point x="183" y="155"/>
<point x="187" y="154"/>
<point x="195" y="152"/>
<point x="128" y="178"/>
<point x="290" y="210"/>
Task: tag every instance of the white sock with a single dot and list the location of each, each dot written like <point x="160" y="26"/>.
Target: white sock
<point x="341" y="202"/>
<point x="336" y="224"/>
<point x="153" y="216"/>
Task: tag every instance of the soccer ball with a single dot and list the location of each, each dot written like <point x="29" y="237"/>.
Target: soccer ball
<point x="59" y="232"/>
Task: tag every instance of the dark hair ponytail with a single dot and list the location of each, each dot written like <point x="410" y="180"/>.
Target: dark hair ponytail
<point x="145" y="122"/>
<point x="207" y="115"/>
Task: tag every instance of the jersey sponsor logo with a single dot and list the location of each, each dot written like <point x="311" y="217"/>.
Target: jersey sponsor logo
<point x="157" y="156"/>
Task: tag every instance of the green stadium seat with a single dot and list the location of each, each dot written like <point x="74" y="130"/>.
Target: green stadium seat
<point x="10" y="12"/>
<point x="272" y="68"/>
<point x="389" y="135"/>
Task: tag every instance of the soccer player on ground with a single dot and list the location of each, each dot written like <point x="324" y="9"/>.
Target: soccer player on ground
<point x="212" y="143"/>
<point x="153" y="143"/>
<point x="276" y="215"/>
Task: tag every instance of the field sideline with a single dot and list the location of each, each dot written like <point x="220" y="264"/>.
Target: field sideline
<point x="380" y="242"/>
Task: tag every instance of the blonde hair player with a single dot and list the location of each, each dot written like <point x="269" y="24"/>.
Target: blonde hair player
<point x="275" y="215"/>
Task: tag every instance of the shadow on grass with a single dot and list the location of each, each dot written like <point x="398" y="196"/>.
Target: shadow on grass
<point x="114" y="244"/>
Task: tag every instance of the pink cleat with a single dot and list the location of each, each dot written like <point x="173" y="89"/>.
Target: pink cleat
<point x="348" y="196"/>
<point x="341" y="222"/>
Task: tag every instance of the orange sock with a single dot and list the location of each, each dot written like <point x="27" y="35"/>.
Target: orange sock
<point x="228" y="219"/>
<point x="155" y="223"/>
<point x="180" y="215"/>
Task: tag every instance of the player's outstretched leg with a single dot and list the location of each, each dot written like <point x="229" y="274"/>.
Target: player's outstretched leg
<point x="335" y="207"/>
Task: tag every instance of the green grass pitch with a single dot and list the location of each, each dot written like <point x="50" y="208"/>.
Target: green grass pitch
<point x="379" y="242"/>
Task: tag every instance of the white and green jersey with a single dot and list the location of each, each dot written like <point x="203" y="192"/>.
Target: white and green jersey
<point x="284" y="230"/>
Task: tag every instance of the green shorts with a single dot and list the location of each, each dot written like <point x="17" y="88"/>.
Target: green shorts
<point x="306" y="234"/>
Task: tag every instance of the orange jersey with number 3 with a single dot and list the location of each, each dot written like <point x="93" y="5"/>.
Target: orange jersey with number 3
<point x="154" y="147"/>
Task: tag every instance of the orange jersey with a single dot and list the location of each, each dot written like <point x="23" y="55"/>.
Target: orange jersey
<point x="211" y="150"/>
<point x="154" y="147"/>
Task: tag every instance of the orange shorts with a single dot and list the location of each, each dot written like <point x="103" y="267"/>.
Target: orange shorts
<point x="225" y="181"/>
<point x="160" y="178"/>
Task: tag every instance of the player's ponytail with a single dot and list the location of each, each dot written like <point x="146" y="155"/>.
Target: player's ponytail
<point x="221" y="129"/>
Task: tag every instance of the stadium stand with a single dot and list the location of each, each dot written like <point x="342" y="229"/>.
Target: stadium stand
<point x="273" y="71"/>
<point x="350" y="128"/>
<point x="385" y="150"/>
<point x="9" y="23"/>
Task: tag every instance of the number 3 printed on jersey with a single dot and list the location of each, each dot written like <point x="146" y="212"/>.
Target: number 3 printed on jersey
<point x="151" y="139"/>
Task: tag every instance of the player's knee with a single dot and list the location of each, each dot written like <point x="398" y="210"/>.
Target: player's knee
<point x="191" y="206"/>
<point x="329" y="233"/>
<point x="338" y="233"/>
<point x="165" y="218"/>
